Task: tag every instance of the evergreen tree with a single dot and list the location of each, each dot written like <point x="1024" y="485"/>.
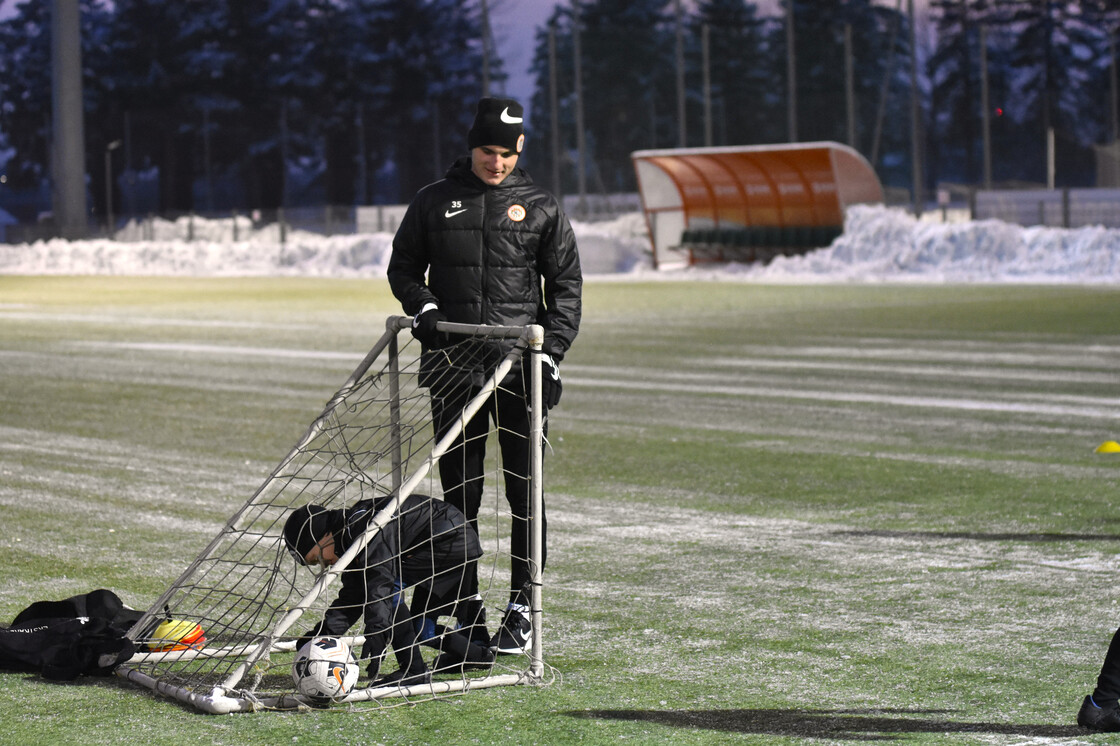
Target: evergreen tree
<point x="743" y="74"/>
<point x="25" y="85"/>
<point x="432" y="77"/>
<point x="889" y="58"/>
<point x="628" y="85"/>
<point x="268" y="46"/>
<point x="1052" y="55"/>
<point x="149" y="75"/>
<point x="368" y="100"/>
<point x="1103" y="17"/>
<point x="347" y="54"/>
<point x="820" y="70"/>
<point x="25" y="93"/>
<point x="625" y="100"/>
<point x="557" y="32"/>
<point x="233" y="97"/>
<point x="880" y="50"/>
<point x="954" y="70"/>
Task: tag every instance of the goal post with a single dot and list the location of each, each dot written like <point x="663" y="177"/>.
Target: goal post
<point x="374" y="443"/>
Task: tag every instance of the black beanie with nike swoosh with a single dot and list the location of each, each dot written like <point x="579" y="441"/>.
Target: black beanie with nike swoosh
<point x="499" y="121"/>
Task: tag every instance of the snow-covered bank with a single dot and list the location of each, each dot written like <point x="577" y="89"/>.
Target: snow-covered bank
<point x="878" y="245"/>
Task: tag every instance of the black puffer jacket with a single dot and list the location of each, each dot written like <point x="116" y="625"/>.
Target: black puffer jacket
<point x="485" y="250"/>
<point x="426" y="536"/>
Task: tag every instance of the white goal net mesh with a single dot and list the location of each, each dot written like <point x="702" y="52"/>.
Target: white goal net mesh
<point x="373" y="446"/>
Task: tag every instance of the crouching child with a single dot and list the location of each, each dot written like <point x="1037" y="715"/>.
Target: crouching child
<point x="428" y="546"/>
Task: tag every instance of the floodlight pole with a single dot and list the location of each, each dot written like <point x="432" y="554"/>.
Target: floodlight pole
<point x="553" y="98"/>
<point x="849" y="85"/>
<point x="68" y="171"/>
<point x="915" y="131"/>
<point x="577" y="73"/>
<point x="682" y="124"/>
<point x="1112" y="87"/>
<point x="791" y="73"/>
<point x="109" y="186"/>
<point x="485" y="49"/>
<point x="705" y="53"/>
<point x="985" y="107"/>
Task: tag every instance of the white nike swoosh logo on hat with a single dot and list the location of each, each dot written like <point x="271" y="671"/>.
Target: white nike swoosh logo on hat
<point x="449" y="214"/>
<point x="505" y="117"/>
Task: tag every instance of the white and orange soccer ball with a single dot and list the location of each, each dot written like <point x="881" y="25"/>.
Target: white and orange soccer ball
<point x="325" y="669"/>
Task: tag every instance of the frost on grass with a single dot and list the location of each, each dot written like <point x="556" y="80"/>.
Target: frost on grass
<point x="133" y="511"/>
<point x="782" y="604"/>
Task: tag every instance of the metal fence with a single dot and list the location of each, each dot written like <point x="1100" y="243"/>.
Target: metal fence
<point x="329" y="220"/>
<point x="1058" y="208"/>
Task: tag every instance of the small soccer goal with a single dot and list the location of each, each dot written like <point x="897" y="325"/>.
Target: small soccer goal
<point x="222" y="637"/>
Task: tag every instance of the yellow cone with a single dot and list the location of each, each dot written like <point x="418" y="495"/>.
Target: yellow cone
<point x="177" y="635"/>
<point x="1109" y="446"/>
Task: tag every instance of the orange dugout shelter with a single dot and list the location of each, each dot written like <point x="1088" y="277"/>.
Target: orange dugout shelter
<point x="751" y="202"/>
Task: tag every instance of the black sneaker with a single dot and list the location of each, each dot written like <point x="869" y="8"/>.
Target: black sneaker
<point x="404" y="679"/>
<point x="476" y="658"/>
<point x="1098" y="718"/>
<point x="514" y="636"/>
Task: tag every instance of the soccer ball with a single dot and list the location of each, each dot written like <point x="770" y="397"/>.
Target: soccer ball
<point x="325" y="669"/>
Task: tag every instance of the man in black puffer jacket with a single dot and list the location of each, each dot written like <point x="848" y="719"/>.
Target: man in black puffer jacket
<point x="485" y="245"/>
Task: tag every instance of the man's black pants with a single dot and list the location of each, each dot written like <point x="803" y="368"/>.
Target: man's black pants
<point x="461" y="469"/>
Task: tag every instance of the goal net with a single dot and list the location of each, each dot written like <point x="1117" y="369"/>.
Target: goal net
<point x="252" y="599"/>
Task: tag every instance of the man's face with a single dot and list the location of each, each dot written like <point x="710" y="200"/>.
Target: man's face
<point x="322" y="553"/>
<point x="492" y="163"/>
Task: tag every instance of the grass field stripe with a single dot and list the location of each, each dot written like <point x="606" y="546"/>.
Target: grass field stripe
<point x="1105" y="373"/>
<point x="88" y="318"/>
<point x="1111" y="413"/>
<point x="204" y="349"/>
<point x="914" y="371"/>
<point x="992" y="353"/>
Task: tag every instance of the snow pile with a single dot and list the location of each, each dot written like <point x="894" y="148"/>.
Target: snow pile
<point x="889" y="244"/>
<point x="161" y="247"/>
<point x="879" y="244"/>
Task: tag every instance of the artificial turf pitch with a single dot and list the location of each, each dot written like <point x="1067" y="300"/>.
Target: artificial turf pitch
<point x="777" y="514"/>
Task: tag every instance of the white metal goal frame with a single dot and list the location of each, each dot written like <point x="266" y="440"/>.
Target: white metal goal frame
<point x="247" y="655"/>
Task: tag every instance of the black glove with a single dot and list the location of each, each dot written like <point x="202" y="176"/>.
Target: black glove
<point x="424" y="328"/>
<point x="310" y="634"/>
<point x="551" y="386"/>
